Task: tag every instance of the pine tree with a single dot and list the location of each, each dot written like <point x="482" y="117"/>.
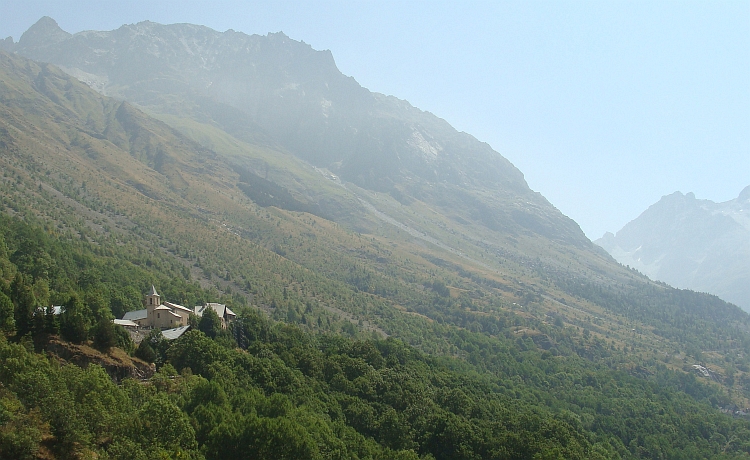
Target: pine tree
<point x="74" y="325"/>
<point x="145" y="352"/>
<point x="51" y="325"/>
<point x="104" y="335"/>
<point x="210" y="323"/>
<point x="38" y="322"/>
<point x="24" y="302"/>
<point x="7" y="319"/>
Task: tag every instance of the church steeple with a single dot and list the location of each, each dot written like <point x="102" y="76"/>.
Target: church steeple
<point x="153" y="299"/>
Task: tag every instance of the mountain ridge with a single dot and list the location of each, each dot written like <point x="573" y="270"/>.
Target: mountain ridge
<point x="690" y="243"/>
<point x="297" y="98"/>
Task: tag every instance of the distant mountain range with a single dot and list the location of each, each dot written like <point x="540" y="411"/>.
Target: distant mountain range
<point x="692" y="244"/>
<point x="271" y="120"/>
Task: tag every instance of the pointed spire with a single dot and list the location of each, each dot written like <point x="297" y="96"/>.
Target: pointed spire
<point x="153" y="291"/>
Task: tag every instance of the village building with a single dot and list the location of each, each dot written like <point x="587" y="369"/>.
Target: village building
<point x="168" y="315"/>
<point x="176" y="333"/>
<point x="158" y="314"/>
<point x="225" y="314"/>
<point x="125" y="323"/>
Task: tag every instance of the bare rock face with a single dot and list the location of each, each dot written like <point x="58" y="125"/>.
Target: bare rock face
<point x="287" y="88"/>
<point x="7" y="44"/>
<point x="744" y="197"/>
<point x="691" y="243"/>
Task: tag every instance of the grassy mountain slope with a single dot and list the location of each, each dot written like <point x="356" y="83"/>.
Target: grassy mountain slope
<point x="390" y="247"/>
<point x="279" y="92"/>
<point x="558" y="326"/>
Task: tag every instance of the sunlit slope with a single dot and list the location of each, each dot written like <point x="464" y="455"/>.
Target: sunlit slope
<point x="294" y="239"/>
<point x="278" y="92"/>
<point x="522" y="271"/>
<point x="111" y="168"/>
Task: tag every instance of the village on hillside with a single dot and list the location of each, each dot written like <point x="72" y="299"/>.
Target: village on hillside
<point x="172" y="319"/>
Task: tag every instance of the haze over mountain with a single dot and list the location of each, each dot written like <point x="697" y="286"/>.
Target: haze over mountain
<point x="690" y="243"/>
<point x="276" y="91"/>
<point x="248" y="169"/>
<point x="291" y="131"/>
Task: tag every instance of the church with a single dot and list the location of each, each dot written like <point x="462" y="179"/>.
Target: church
<point x="167" y="315"/>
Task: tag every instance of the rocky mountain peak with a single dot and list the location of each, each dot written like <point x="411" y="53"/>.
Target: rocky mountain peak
<point x="690" y="243"/>
<point x="44" y="33"/>
<point x="7" y="44"/>
<point x="744" y="195"/>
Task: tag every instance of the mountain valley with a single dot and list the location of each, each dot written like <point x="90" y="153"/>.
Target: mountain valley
<point x="381" y="262"/>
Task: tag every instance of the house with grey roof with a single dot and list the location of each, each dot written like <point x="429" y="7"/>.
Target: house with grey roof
<point x="175" y="333"/>
<point x="226" y="315"/>
<point x="137" y="316"/>
<point x="125" y="323"/>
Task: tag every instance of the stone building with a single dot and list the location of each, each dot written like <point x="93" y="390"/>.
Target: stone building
<point x="168" y="315"/>
<point x="158" y="314"/>
<point x="225" y="314"/>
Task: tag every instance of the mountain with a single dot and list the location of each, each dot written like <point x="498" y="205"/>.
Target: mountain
<point x="692" y="244"/>
<point x="281" y="93"/>
<point x="381" y="308"/>
<point x="261" y="138"/>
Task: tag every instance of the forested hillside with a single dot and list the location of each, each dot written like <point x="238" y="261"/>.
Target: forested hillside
<point x="371" y="324"/>
<point x="272" y="390"/>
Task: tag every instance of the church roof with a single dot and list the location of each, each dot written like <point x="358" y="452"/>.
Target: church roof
<point x="175" y="306"/>
<point x="153" y="291"/>
<point x="171" y="334"/>
<point x="220" y="309"/>
<point x="136" y="315"/>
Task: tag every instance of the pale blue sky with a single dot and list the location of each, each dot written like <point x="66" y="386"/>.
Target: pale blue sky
<point x="605" y="106"/>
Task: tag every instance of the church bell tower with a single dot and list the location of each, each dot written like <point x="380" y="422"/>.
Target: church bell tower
<point x="152" y="300"/>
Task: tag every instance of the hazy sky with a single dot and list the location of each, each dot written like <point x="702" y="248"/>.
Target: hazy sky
<point x="605" y="106"/>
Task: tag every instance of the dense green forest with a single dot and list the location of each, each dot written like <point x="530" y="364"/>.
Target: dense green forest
<point x="265" y="389"/>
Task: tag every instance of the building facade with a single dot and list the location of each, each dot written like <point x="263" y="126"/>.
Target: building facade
<point x="158" y="314"/>
<point x="168" y="315"/>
